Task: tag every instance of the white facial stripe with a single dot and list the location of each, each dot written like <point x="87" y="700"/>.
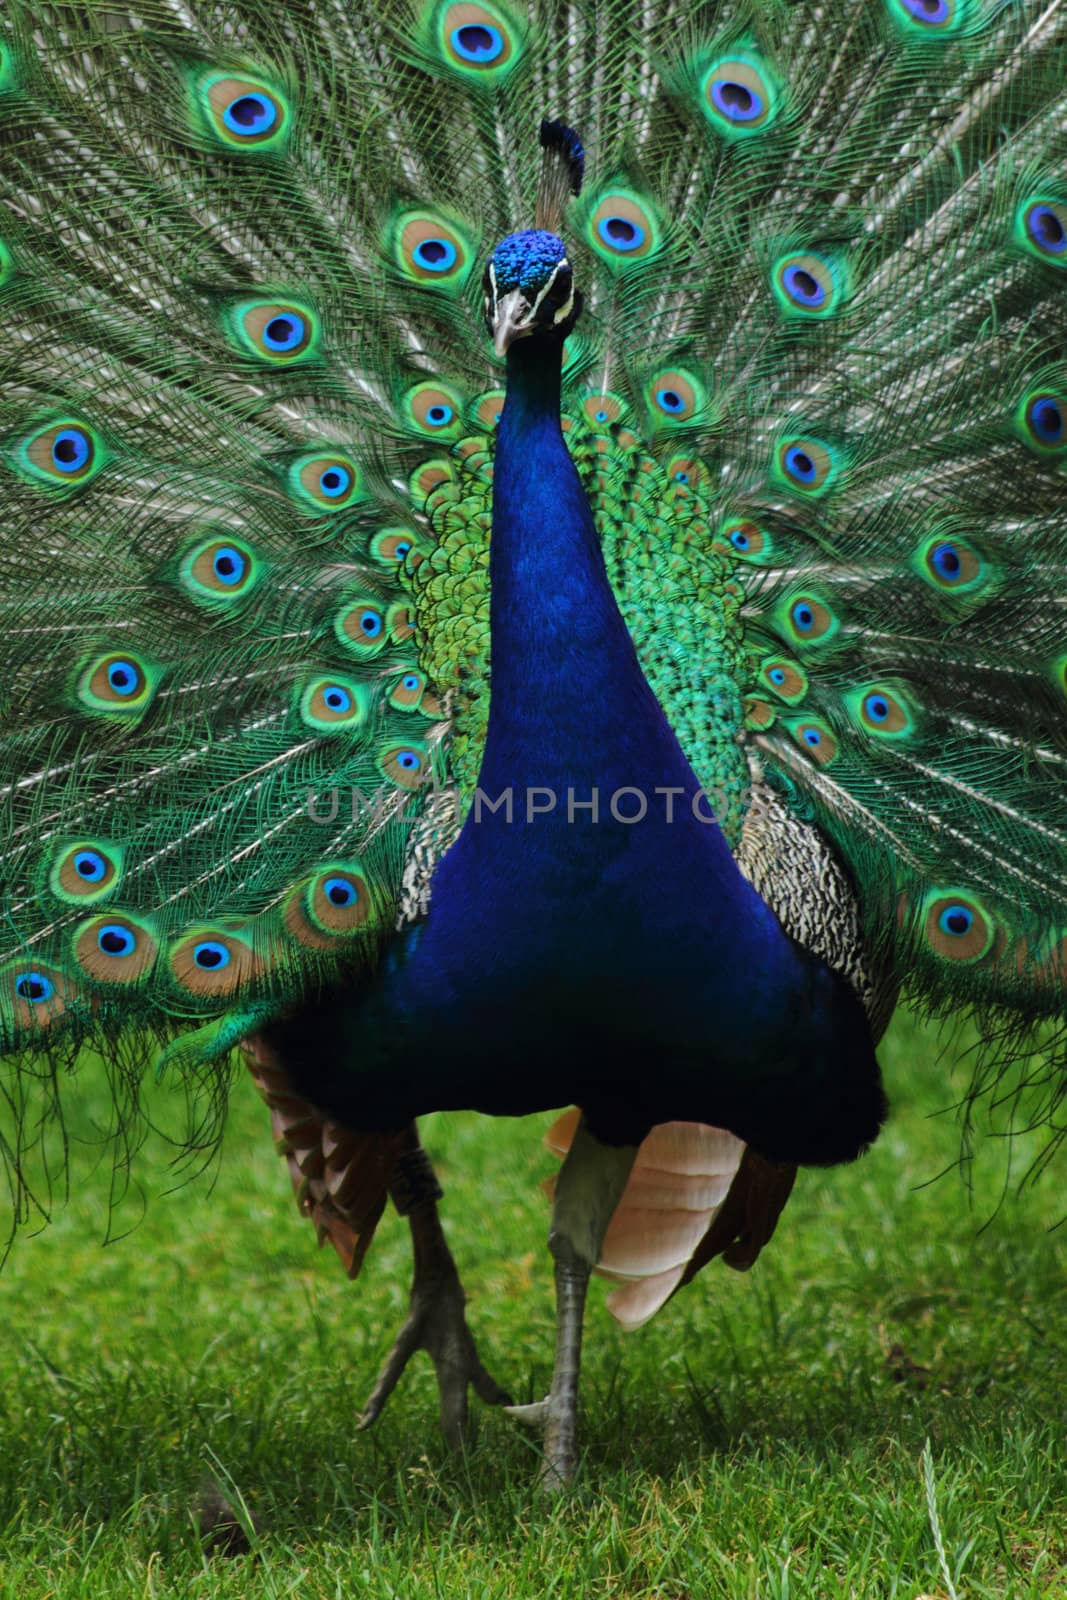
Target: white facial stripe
<point x="555" y="274"/>
<point x="564" y="311"/>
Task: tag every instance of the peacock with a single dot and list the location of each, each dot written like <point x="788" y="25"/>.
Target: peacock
<point x="534" y="553"/>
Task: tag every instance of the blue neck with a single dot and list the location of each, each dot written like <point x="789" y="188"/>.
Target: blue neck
<point x="571" y="715"/>
<point x="569" y="702"/>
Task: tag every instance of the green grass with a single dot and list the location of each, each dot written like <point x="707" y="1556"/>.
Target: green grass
<point x="763" y="1437"/>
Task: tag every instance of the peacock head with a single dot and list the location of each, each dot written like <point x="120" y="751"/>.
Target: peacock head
<point x="529" y="289"/>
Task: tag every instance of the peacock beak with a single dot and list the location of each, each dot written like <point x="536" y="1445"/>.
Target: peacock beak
<point x="512" y="318"/>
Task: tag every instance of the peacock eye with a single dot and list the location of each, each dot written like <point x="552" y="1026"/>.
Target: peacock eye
<point x="65" y="452"/>
<point x="340" y="892"/>
<point x="800" y="464"/>
<point x="116" y="940"/>
<point x="931" y="13"/>
<point x="250" y="114"/>
<point x="945" y="559"/>
<point x="210" y="954"/>
<point x="124" y="677"/>
<point x="230" y="566"/>
<point x="1042" y="225"/>
<point x="477" y="43"/>
<point x="1046" y="419"/>
<point x="242" y="113"/>
<point x="739" y="96"/>
<point x="71" y="450"/>
<point x="561" y="284"/>
<point x="34" y="986"/>
<point x="621" y="233"/>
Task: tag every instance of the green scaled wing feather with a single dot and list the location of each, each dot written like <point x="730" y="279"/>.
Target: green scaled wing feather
<point x="818" y="398"/>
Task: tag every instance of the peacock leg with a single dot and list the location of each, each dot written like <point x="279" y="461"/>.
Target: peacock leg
<point x="436" y="1321"/>
<point x="590" y="1185"/>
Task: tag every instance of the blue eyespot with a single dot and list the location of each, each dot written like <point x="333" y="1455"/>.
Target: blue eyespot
<point x="813" y="737"/>
<point x="439" y="416"/>
<point x="335" y="481"/>
<point x="371" y="623"/>
<point x="946" y="562"/>
<point x="211" y="956"/>
<point x="737" y="101"/>
<point x="740" y="539"/>
<point x="799" y="464"/>
<point x="230" y="565"/>
<point x="411" y="682"/>
<point x="681" y="477"/>
<point x="284" y="333"/>
<point x="1046" y="229"/>
<point x="803" y="287"/>
<point x="71" y="449"/>
<point x="777" y="675"/>
<point x="670" y="400"/>
<point x="401" y="550"/>
<point x="803" y="617"/>
<point x="1046" y="419"/>
<point x="621" y="233"/>
<point x="250" y="115"/>
<point x="956" y="920"/>
<point x="90" y="865"/>
<point x="600" y="416"/>
<point x="115" y="939"/>
<point x="339" y="892"/>
<point x="337" y="699"/>
<point x="34" y="987"/>
<point x="876" y="707"/>
<point x="123" y="677"/>
<point x="435" y="255"/>
<point x="930" y="11"/>
<point x="408" y="760"/>
<point x="477" y="42"/>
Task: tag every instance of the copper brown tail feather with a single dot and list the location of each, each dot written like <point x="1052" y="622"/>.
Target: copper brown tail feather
<point x="340" y="1179"/>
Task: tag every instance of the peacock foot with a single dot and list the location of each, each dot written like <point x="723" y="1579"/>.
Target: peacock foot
<point x="557" y="1413"/>
<point x="437" y="1319"/>
<point x="557" y="1416"/>
<point x="589" y="1187"/>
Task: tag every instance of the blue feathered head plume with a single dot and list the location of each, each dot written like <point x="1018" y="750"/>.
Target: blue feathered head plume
<point x="528" y="282"/>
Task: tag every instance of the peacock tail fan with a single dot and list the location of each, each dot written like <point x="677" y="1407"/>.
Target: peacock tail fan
<point x="818" y="397"/>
